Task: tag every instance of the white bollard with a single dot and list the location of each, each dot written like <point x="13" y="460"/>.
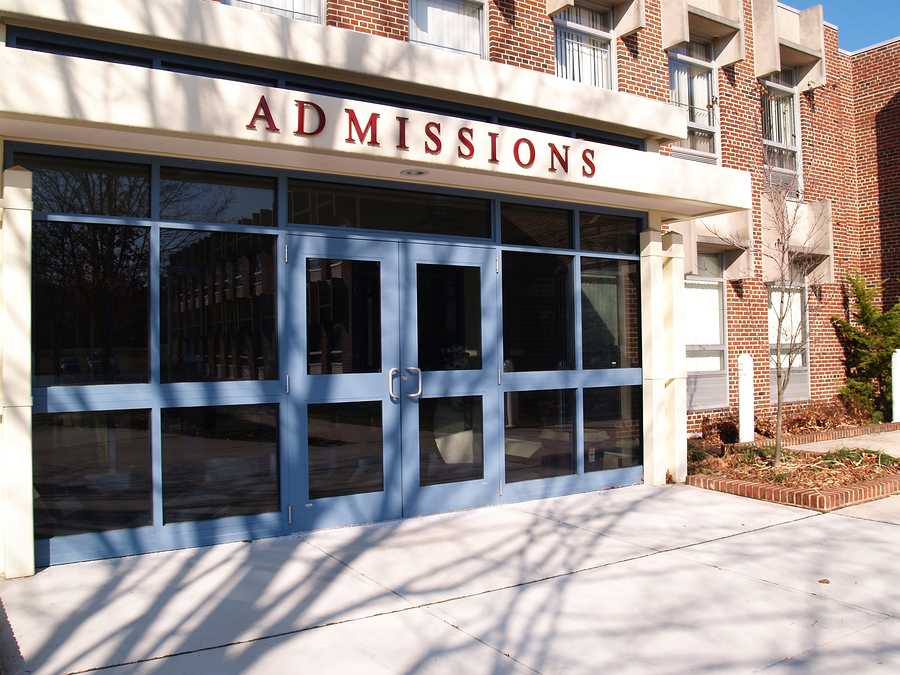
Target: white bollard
<point x="745" y="399"/>
<point x="895" y="385"/>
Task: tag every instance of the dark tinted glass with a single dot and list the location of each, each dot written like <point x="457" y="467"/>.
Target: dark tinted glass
<point x="345" y="449"/>
<point x="87" y="186"/>
<point x="343" y="316"/>
<point x="539" y="438"/>
<point x="608" y="233"/>
<point x="451" y="447"/>
<point x="536" y="226"/>
<point x="610" y="313"/>
<point x="210" y="197"/>
<point x="91" y="472"/>
<point x="538" y="316"/>
<point x="612" y="428"/>
<point x="219" y="461"/>
<point x="217" y="306"/>
<point x="449" y="317"/>
<point x="90" y="307"/>
<point x="312" y="203"/>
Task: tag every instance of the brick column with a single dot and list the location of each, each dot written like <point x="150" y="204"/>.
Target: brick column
<point x="16" y="488"/>
<point x="663" y="355"/>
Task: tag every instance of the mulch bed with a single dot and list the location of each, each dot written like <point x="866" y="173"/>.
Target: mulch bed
<point x="821" y="482"/>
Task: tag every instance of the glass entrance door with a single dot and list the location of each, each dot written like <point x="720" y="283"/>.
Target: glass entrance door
<point x="449" y="344"/>
<point x="394" y="390"/>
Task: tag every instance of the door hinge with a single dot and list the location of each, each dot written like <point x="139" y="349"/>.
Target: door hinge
<point x="287" y="384"/>
<point x="285" y="252"/>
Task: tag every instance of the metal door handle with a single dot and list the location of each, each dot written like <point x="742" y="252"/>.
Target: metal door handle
<point x="391" y="373"/>
<point x="417" y="372"/>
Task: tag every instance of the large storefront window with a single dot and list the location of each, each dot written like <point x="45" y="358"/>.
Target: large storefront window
<point x="209" y="367"/>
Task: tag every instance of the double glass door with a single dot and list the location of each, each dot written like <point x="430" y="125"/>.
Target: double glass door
<point x="394" y="377"/>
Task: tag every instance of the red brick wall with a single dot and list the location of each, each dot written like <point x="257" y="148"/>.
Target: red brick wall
<point x="876" y="81"/>
<point x="643" y="66"/>
<point x="521" y="34"/>
<point x="388" y="18"/>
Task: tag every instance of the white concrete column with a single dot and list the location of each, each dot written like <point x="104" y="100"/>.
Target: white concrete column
<point x="895" y="386"/>
<point x="663" y="355"/>
<point x="746" y="431"/>
<point x="16" y="483"/>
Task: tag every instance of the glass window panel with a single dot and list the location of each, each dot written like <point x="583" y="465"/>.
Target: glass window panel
<point x="610" y="233"/>
<point x="703" y="324"/>
<point x="218" y="308"/>
<point x="538" y="312"/>
<point x="212" y="197"/>
<point x="91" y="472"/>
<point x="451" y="442"/>
<point x="219" y="461"/>
<point x="705" y="361"/>
<point x="304" y="10"/>
<point x="312" y="203"/>
<point x="597" y="19"/>
<point x="787" y="303"/>
<point x="343" y="316"/>
<point x="779" y="118"/>
<point x="346" y="449"/>
<point x="90" y="317"/>
<point x="539" y="438"/>
<point x="88" y="186"/>
<point x="451" y="24"/>
<point x="536" y="226"/>
<point x="449" y="317"/>
<point x="583" y="58"/>
<point x="610" y="313"/>
<point x="613" y="428"/>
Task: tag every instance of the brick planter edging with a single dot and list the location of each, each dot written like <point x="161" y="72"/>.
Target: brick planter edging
<point x="823" y="500"/>
<point x="827" y="435"/>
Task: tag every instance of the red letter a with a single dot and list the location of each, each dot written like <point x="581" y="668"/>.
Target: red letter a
<point x="262" y="112"/>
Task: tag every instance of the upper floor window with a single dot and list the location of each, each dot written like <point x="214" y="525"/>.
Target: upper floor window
<point x="692" y="84"/>
<point x="457" y="25"/>
<point x="584" y="46"/>
<point x="305" y="10"/>
<point x="780" y="125"/>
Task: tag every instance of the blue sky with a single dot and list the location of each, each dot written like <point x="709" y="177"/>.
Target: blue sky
<point x="861" y="22"/>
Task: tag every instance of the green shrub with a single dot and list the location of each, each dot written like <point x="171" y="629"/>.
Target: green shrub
<point x="869" y="340"/>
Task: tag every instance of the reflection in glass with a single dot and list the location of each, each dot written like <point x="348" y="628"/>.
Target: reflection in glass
<point x="314" y="203"/>
<point x="212" y="197"/>
<point x="450" y="440"/>
<point x="91" y="472"/>
<point x="612" y="428"/>
<point x="610" y="313"/>
<point x="345" y="449"/>
<point x="217" y="306"/>
<point x="609" y="233"/>
<point x="449" y="317"/>
<point x="90" y="317"/>
<point x="343" y="316"/>
<point x="538" y="315"/>
<point x="539" y="438"/>
<point x="536" y="226"/>
<point x="219" y="461"/>
<point x="88" y="186"/>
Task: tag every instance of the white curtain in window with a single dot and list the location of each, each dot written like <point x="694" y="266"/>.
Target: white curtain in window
<point x="679" y="87"/>
<point x="793" y="334"/>
<point x="295" y="9"/>
<point x="452" y="24"/>
<point x="779" y="119"/>
<point x="703" y="323"/>
<point x="583" y="58"/>
<point x="701" y="96"/>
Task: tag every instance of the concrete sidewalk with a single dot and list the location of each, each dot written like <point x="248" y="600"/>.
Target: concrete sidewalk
<point x="636" y="580"/>
<point x="887" y="442"/>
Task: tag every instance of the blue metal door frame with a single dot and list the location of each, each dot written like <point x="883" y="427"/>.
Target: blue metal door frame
<point x="418" y="499"/>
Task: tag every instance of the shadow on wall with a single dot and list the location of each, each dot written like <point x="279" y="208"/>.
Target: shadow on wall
<point x="887" y="143"/>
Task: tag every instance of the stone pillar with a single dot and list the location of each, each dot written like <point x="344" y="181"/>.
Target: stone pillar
<point x="663" y="357"/>
<point x="16" y="483"/>
<point x="746" y="424"/>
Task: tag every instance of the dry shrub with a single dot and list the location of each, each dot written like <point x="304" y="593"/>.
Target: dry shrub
<point x="811" y="417"/>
